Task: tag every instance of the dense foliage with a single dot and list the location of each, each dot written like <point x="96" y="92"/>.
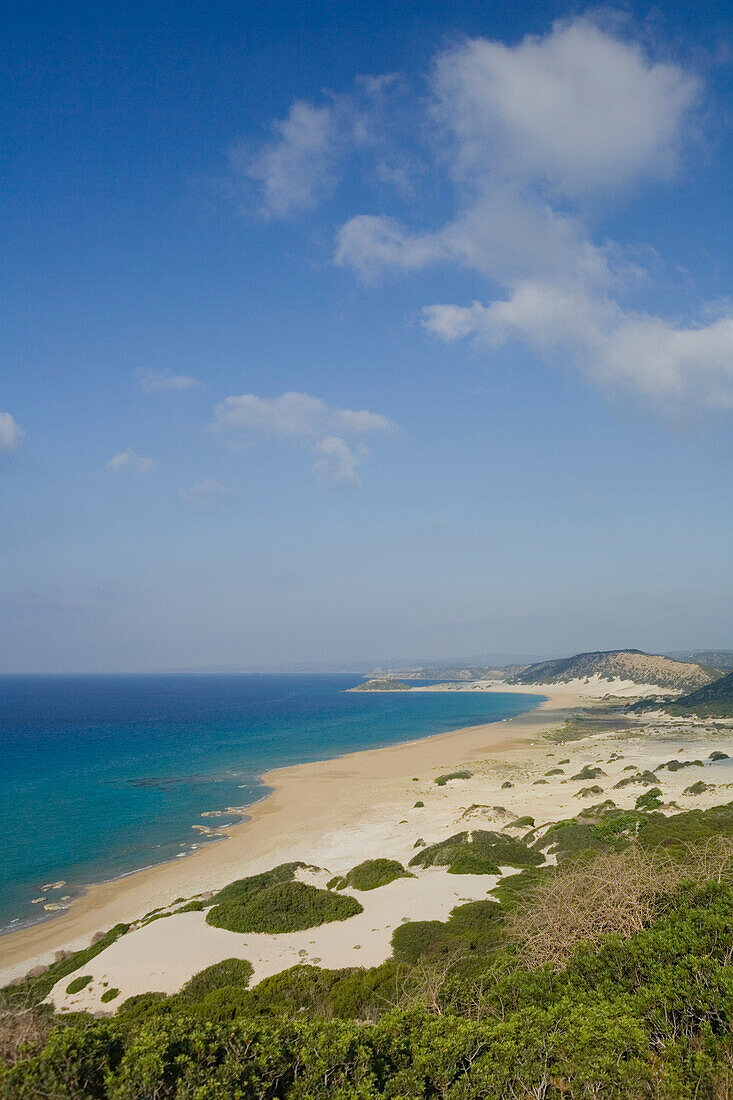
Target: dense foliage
<point x="283" y="907"/>
<point x="479" y="852"/>
<point x="608" y="975"/>
<point x="713" y="700"/>
<point x="645" y="1016"/>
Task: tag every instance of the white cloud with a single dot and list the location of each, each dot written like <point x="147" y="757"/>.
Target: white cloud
<point x="579" y="109"/>
<point x="203" y="493"/>
<point x="295" y="414"/>
<point x="664" y="361"/>
<point x="128" y="460"/>
<point x="296" y="168"/>
<point x="335" y="462"/>
<point x="528" y="131"/>
<point x="309" y="149"/>
<point x="152" y="381"/>
<point x="11" y="432"/>
<point x="307" y="419"/>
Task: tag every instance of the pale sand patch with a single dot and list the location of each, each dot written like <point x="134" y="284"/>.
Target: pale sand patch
<point x="165" y="954"/>
<point x="592" y="686"/>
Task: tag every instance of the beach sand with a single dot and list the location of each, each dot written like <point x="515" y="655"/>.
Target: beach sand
<point x="336" y="813"/>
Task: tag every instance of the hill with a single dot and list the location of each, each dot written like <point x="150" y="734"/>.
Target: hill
<point x="385" y="684"/>
<point x="713" y="658"/>
<point x="623" y="664"/>
<point x="713" y="700"/>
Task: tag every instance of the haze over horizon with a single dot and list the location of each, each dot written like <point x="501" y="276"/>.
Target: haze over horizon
<point x="331" y="334"/>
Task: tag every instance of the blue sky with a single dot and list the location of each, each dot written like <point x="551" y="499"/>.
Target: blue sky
<point x="334" y="334"/>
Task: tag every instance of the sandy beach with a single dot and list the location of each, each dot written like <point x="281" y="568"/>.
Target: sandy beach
<point x="307" y="803"/>
<point x="336" y="813"/>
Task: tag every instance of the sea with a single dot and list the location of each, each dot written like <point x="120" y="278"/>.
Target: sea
<point x="103" y="775"/>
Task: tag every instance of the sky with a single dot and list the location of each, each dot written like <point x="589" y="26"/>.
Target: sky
<point x="338" y="334"/>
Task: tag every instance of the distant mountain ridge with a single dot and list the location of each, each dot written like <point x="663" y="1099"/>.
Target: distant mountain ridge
<point x="713" y="700"/>
<point x="712" y="658"/>
<point x="622" y="664"/>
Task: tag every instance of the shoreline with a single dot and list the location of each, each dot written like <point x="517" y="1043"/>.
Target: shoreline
<point x="308" y="800"/>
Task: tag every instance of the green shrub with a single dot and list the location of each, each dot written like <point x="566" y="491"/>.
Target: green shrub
<point x="371" y="874"/>
<point x="588" y="773"/>
<point x="109" y="995"/>
<point x="698" y="788"/>
<point x="650" y="799"/>
<point x="470" y="864"/>
<point x="284" y="907"/>
<point x="228" y="972"/>
<point x="677" y="765"/>
<point x="647" y="779"/>
<point x="496" y="849"/>
<point x="443" y="779"/>
<point x="473" y="928"/>
<point x="244" y="887"/>
<point x="78" y="984"/>
<point x="418" y="805"/>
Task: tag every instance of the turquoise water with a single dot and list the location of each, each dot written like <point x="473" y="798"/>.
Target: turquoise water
<point x="102" y="775"/>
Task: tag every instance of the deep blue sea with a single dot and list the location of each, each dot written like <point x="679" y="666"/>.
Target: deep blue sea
<point x="102" y="775"/>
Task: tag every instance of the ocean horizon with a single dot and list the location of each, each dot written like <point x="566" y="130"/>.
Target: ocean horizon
<point x="103" y="775"/>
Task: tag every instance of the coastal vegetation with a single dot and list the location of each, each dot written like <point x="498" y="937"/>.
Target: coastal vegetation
<point x="714" y="700"/>
<point x="605" y="975"/>
<point x="384" y="684"/>
<point x="282" y="907"/>
<point x="370" y="874"/>
<point x="480" y="852"/>
<point x="443" y="779"/>
<point x="235" y="972"/>
<point x="77" y="984"/>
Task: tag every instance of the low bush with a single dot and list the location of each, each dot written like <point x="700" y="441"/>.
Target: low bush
<point x="284" y="907"/>
<point x="470" y="864"/>
<point x="699" y="788"/>
<point x="647" y="779"/>
<point x="496" y="849"/>
<point x="588" y="773"/>
<point x="109" y="995"/>
<point x="78" y="984"/>
<point x="650" y="799"/>
<point x="370" y="875"/>
<point x="244" y="888"/>
<point x="443" y="779"/>
<point x="228" y="972"/>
